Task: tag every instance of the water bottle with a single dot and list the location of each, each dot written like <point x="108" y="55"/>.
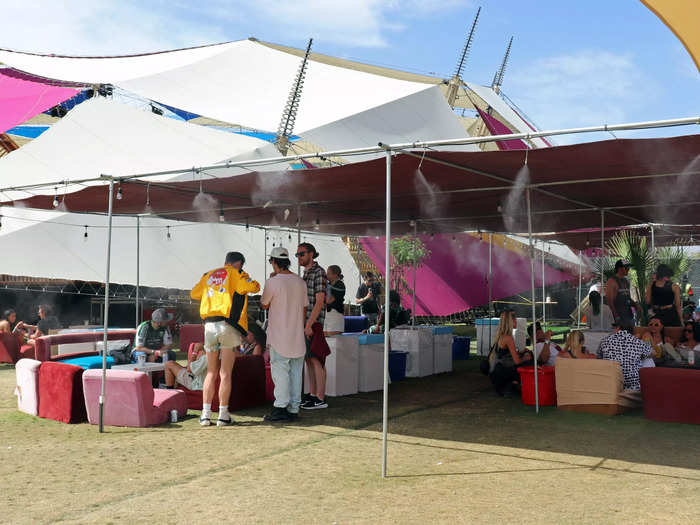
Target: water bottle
<point x="173" y="416"/>
<point x="164" y="356"/>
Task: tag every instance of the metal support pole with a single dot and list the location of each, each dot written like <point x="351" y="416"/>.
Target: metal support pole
<point x="106" y="311"/>
<point x="491" y="313"/>
<point x="653" y="243"/>
<point x="298" y="243"/>
<point x="544" y="297"/>
<point x="387" y="287"/>
<point x="602" y="258"/>
<point x="578" y="308"/>
<point x="413" y="305"/>
<point x="532" y="291"/>
<point x="264" y="230"/>
<point x="138" y="270"/>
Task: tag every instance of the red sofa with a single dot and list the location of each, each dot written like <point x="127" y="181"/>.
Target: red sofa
<point x="61" y="392"/>
<point x="247" y="380"/>
<point x="43" y="344"/>
<point x="671" y="394"/>
<point x="12" y="350"/>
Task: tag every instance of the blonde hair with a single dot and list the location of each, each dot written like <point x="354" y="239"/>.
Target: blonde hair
<point x="505" y="325"/>
<point x="574" y="341"/>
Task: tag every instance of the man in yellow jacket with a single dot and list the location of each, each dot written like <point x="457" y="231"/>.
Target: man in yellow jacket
<point x="223" y="295"/>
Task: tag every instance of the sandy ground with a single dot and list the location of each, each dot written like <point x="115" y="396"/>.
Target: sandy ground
<point x="457" y="454"/>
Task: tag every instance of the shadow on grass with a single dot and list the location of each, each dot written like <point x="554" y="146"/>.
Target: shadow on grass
<point x="461" y="407"/>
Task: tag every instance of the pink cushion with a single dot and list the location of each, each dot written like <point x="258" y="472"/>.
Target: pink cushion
<point x="61" y="392"/>
<point x="190" y="333"/>
<point x="27" y="389"/>
<point x="130" y="400"/>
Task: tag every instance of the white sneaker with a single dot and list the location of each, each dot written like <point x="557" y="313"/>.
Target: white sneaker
<point x="204" y="421"/>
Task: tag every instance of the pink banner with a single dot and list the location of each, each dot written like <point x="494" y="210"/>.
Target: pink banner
<point x="20" y="100"/>
<point x="455" y="277"/>
<point x="496" y="127"/>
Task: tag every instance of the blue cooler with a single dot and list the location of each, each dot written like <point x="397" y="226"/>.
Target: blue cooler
<point x="460" y="347"/>
<point x="397" y="365"/>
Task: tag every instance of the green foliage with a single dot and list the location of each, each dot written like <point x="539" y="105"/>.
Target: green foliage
<point x="675" y="258"/>
<point x="406" y="252"/>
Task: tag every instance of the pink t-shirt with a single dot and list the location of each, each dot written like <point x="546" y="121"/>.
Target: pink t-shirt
<point x="287" y="297"/>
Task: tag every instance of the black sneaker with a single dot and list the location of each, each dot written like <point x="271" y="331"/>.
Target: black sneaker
<point x="309" y="403"/>
<point x="305" y="398"/>
<point x="278" y="415"/>
<point x="293" y="416"/>
<point x="314" y="403"/>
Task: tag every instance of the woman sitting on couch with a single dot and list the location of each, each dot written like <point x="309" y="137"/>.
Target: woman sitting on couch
<point x="504" y="359"/>
<point x="574" y="349"/>
<point x="658" y="340"/>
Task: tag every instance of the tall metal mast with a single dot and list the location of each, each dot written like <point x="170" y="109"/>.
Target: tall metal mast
<point x="289" y="114"/>
<point x="498" y="77"/>
<point x="456" y="81"/>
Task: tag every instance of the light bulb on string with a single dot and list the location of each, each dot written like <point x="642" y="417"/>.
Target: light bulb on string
<point x="0" y="221"/>
<point x="167" y="235"/>
<point x="119" y="192"/>
<point x="55" y="198"/>
<point x="221" y="215"/>
<point x="85" y="235"/>
<point x="499" y="208"/>
<point x="247" y="226"/>
<point x="317" y="225"/>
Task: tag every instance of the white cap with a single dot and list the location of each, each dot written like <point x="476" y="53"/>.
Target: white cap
<point x="279" y="252"/>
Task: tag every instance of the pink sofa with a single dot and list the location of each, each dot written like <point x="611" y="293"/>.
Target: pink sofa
<point x="130" y="400"/>
<point x="27" y="389"/>
<point x="11" y="350"/>
<point x="43" y="344"/>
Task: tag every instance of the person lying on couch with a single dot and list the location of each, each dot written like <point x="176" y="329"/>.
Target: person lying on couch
<point x="154" y="336"/>
<point x="574" y="349"/>
<point x="190" y="376"/>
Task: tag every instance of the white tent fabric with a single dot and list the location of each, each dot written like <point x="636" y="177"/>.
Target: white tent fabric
<point x="497" y="103"/>
<point x="243" y="82"/>
<point x="414" y="117"/>
<point x="52" y="245"/>
<point x="103" y="136"/>
<point x="107" y="70"/>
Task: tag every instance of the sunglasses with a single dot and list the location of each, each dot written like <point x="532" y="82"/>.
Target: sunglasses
<point x="687" y="329"/>
<point x="299" y="254"/>
<point x="655" y="324"/>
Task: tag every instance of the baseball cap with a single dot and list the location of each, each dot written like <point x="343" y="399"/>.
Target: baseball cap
<point x="622" y="262"/>
<point x="159" y="315"/>
<point x="280" y="252"/>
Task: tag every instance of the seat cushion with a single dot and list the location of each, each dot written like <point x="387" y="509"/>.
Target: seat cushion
<point x="27" y="389"/>
<point x="27" y="352"/>
<point x="61" y="392"/>
<point x="88" y="362"/>
<point x="166" y="400"/>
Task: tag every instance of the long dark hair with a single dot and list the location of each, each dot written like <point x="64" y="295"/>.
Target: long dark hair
<point x="594" y="299"/>
<point x="7" y="313"/>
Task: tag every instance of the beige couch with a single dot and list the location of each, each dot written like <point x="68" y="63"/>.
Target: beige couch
<point x="593" y="385"/>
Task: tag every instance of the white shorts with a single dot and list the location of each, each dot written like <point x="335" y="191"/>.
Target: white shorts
<point x="335" y="322"/>
<point x="220" y="335"/>
<point x="184" y="378"/>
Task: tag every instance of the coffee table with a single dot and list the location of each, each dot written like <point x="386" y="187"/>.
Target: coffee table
<point x="146" y="367"/>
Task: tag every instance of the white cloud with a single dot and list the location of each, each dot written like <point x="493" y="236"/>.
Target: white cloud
<point x="132" y="26"/>
<point x="590" y="87"/>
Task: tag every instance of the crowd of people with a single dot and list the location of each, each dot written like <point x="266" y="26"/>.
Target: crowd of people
<point x="616" y="317"/>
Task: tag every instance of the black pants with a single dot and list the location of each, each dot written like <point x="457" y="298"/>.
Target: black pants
<point x="668" y="316"/>
<point x="502" y="377"/>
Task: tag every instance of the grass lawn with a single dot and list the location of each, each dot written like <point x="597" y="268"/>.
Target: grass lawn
<point x="457" y="454"/>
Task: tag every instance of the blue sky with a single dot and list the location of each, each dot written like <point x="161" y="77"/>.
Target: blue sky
<point x="572" y="64"/>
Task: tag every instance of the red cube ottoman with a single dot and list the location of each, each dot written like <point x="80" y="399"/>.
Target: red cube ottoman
<point x="671" y="394"/>
<point x="61" y="392"/>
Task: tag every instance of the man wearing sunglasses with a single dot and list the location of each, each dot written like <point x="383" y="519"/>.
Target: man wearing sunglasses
<point x="316" y="283"/>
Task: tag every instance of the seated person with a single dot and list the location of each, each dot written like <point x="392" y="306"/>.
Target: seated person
<point x="574" y="349"/>
<point x="153" y="337"/>
<point x="545" y="350"/>
<point x="598" y="316"/>
<point x="630" y="352"/>
<point x="658" y="341"/>
<point x="539" y="333"/>
<point x="192" y="376"/>
<point x="47" y="322"/>
<point x="504" y="359"/>
<point x="10" y="325"/>
<point x="691" y="336"/>
<point x="255" y="341"/>
<point x="397" y="315"/>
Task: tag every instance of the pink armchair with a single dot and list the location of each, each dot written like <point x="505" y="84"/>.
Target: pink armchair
<point x="130" y="400"/>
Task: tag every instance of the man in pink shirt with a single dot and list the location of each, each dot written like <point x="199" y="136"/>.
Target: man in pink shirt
<point x="286" y="299"/>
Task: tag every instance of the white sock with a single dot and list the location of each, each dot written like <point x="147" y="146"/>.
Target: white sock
<point x="206" y="410"/>
<point x="223" y="412"/>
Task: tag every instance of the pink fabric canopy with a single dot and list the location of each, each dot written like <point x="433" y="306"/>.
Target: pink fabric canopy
<point x="22" y="99"/>
<point x="496" y="127"/>
<point x="455" y="277"/>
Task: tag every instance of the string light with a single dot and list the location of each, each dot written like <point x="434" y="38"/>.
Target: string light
<point x="168" y="233"/>
<point x="55" y="197"/>
<point x="499" y="209"/>
<point x="221" y="215"/>
<point x="0" y="221"/>
<point x="119" y="192"/>
<point x="85" y="235"/>
<point x="148" y="194"/>
<point x="247" y="226"/>
<point x="317" y="225"/>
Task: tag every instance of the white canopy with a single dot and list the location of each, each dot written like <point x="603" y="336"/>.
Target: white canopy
<point x="102" y="136"/>
<point x="52" y="245"/>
